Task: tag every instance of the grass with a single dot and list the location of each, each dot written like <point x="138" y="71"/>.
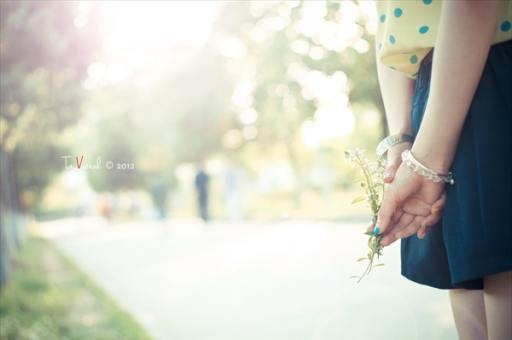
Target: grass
<point x="49" y="298"/>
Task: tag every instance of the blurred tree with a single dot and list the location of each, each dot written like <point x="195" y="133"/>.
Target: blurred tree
<point x="261" y="77"/>
<point x="291" y="55"/>
<point x="179" y="118"/>
<point x="44" y="58"/>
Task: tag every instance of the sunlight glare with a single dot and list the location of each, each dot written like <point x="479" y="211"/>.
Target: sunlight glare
<point x="153" y="22"/>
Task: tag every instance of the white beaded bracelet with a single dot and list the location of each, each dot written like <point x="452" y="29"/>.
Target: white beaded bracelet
<point x="411" y="162"/>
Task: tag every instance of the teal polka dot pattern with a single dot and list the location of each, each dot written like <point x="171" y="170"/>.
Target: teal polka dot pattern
<point x="409" y="29"/>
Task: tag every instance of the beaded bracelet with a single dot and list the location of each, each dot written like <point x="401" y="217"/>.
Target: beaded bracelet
<point x="416" y="166"/>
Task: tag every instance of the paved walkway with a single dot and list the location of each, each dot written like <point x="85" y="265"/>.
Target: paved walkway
<point x="253" y="280"/>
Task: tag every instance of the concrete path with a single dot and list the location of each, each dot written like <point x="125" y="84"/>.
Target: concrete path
<point x="253" y="280"/>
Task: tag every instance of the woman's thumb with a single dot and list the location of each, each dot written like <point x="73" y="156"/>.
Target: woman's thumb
<point x="390" y="172"/>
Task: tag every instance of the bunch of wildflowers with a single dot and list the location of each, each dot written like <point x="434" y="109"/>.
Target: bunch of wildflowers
<point x="371" y="178"/>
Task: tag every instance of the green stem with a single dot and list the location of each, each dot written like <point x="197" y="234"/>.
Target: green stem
<point x="371" y="191"/>
<point x="370" y="187"/>
<point x="367" y="268"/>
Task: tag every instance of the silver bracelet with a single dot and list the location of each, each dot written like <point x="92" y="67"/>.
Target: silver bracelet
<point x="412" y="163"/>
<point x="390" y="141"/>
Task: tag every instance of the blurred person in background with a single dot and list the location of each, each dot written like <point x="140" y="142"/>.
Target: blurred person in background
<point x="106" y="207"/>
<point x="201" y="183"/>
<point x="158" y="191"/>
<point x="134" y="203"/>
<point x="234" y="190"/>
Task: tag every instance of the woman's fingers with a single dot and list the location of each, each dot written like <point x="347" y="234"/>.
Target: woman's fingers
<point x="416" y="207"/>
<point x="427" y="225"/>
<point x="370" y="226"/>
<point x="395" y="159"/>
<point x="411" y="229"/>
<point x="430" y="220"/>
<point x="411" y="220"/>
<point x="434" y="217"/>
<point x="390" y="237"/>
<point x="396" y="217"/>
<point x="390" y="172"/>
<point x="388" y="207"/>
<point x="438" y="206"/>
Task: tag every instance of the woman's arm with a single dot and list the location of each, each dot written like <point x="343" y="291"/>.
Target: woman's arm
<point x="464" y="37"/>
<point x="397" y="93"/>
<point x="465" y="34"/>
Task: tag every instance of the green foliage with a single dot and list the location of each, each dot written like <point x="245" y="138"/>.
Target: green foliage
<point x="359" y="199"/>
<point x="48" y="298"/>
<point x="186" y="113"/>
<point x="43" y="60"/>
<point x="189" y="109"/>
<point x="113" y="145"/>
<point x="279" y="122"/>
<point x="34" y="171"/>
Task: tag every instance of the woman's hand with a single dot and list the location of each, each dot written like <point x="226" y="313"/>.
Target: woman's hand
<point x="413" y="206"/>
<point x="435" y="216"/>
<point x="405" y="217"/>
<point x="402" y="220"/>
<point x="410" y="193"/>
<point x="395" y="159"/>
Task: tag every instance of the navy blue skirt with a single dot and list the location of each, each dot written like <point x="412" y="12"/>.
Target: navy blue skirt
<point x="474" y="238"/>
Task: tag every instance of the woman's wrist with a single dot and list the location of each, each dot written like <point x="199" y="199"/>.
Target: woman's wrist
<point x="436" y="143"/>
<point x="402" y="129"/>
<point x="410" y="161"/>
<point x="453" y="83"/>
<point x="395" y="152"/>
<point x="434" y="159"/>
<point x="397" y="149"/>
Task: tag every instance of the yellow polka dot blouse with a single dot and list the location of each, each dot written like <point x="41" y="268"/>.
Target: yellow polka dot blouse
<point x="408" y="30"/>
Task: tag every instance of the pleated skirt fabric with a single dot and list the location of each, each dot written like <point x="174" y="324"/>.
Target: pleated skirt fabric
<point x="474" y="238"/>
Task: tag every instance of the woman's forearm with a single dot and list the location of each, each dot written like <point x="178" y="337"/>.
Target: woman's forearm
<point x="464" y="37"/>
<point x="397" y="93"/>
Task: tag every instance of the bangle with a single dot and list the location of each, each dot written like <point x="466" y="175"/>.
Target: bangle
<point x="411" y="162"/>
<point x="390" y="141"/>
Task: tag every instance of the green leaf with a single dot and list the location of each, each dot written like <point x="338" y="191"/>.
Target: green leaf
<point x="369" y="233"/>
<point x="347" y="154"/>
<point x="359" y="199"/>
<point x="362" y="259"/>
<point x="370" y="243"/>
<point x="377" y="185"/>
<point x="353" y="277"/>
<point x="378" y="265"/>
<point x="358" y="179"/>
